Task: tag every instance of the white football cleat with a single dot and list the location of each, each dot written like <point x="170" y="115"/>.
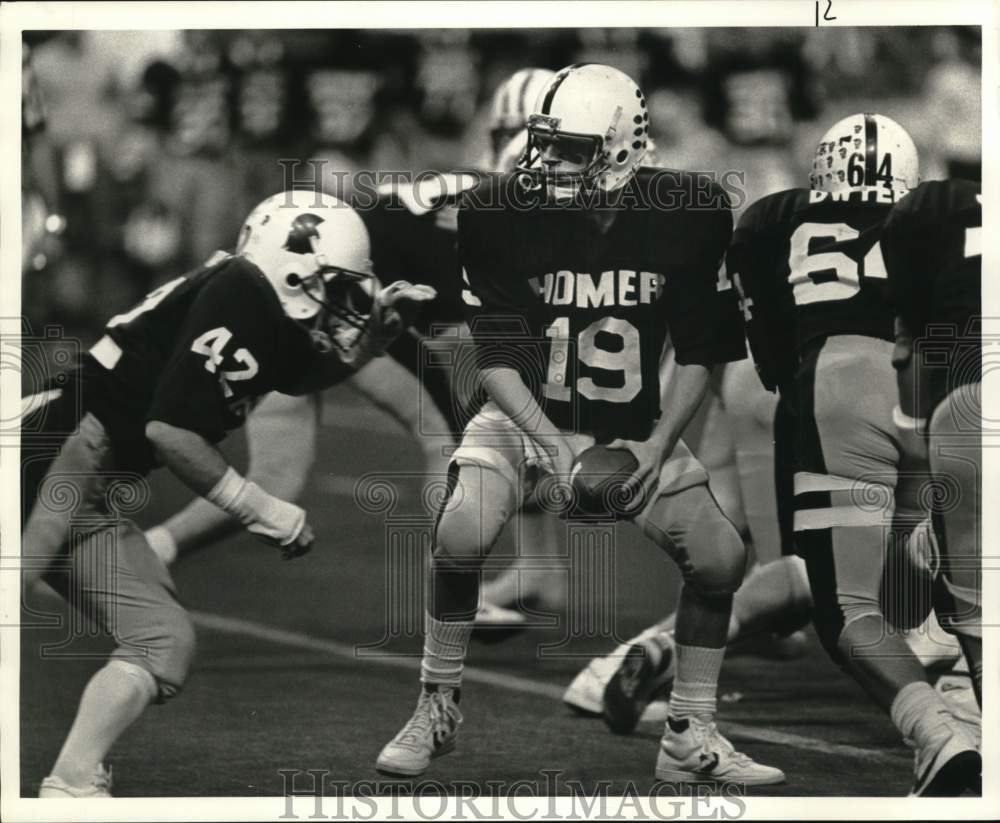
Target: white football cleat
<point x="495" y="623"/>
<point x="100" y="786"/>
<point x="950" y="767"/>
<point x="586" y="693"/>
<point x="429" y="733"/>
<point x="693" y="751"/>
<point x="646" y="669"/>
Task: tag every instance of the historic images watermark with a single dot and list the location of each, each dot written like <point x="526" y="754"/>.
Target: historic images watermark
<point x="662" y="189"/>
<point x="312" y="794"/>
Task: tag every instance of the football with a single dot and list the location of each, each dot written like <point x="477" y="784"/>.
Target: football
<point x="602" y="480"/>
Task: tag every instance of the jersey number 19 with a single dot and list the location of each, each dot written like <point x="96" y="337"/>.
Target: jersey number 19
<point x="624" y="359"/>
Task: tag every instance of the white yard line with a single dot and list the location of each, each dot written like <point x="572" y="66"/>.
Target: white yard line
<point x="513" y="683"/>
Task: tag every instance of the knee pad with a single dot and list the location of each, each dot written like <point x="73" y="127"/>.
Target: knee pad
<point x="716" y="556"/>
<point x="164" y="646"/>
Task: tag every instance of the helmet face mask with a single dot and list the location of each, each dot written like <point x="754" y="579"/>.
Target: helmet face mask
<point x="561" y="159"/>
<point x="345" y="300"/>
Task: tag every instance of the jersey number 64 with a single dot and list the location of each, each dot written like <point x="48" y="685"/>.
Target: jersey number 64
<point x="846" y="282"/>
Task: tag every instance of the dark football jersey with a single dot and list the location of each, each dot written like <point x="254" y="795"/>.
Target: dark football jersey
<point x="413" y="231"/>
<point x="932" y="244"/>
<point x="197" y="353"/>
<point x="584" y="314"/>
<point x="809" y="265"/>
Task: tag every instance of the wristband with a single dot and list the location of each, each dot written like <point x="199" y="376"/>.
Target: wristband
<point x="262" y="513"/>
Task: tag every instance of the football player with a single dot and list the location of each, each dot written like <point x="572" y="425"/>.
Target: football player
<point x="576" y="267"/>
<point x="932" y="247"/>
<point x="295" y="309"/>
<point x="821" y="328"/>
<point x="413" y="235"/>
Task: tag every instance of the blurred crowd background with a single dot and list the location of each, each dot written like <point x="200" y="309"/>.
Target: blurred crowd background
<point x="143" y="151"/>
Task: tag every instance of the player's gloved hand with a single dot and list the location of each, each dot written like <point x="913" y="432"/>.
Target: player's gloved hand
<point x="649" y="454"/>
<point x="395" y="308"/>
<point x="269" y="518"/>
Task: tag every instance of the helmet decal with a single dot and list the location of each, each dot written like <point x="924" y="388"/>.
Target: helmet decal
<point x="303" y="229"/>
<point x="866" y="152"/>
<point x="303" y="265"/>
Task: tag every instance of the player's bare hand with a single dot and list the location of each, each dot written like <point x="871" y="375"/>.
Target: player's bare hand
<point x="649" y="455"/>
<point x="300" y="545"/>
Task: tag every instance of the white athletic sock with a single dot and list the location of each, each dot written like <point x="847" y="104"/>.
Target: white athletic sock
<point x="919" y="713"/>
<point x="162" y="542"/>
<point x="445" y="645"/>
<point x="113" y="699"/>
<point x="697" y="681"/>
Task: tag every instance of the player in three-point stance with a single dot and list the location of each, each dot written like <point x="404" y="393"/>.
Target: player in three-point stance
<point x="295" y="309"/>
<point x="542" y="263"/>
<point x="821" y="332"/>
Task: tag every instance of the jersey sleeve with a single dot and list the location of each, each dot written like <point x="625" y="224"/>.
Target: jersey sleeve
<point x="229" y="325"/>
<point x="753" y="267"/>
<point x="498" y="300"/>
<point x="703" y="312"/>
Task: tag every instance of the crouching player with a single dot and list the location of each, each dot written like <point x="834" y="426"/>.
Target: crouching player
<point x="932" y="246"/>
<point x="595" y="290"/>
<point x="822" y="325"/>
<point x="293" y="310"/>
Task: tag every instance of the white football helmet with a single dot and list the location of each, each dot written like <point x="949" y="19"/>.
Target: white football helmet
<point x="866" y="152"/>
<point x="512" y="102"/>
<point x="589" y="127"/>
<point x="314" y="251"/>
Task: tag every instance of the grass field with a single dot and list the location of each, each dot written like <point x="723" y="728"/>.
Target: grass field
<point x="278" y="683"/>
